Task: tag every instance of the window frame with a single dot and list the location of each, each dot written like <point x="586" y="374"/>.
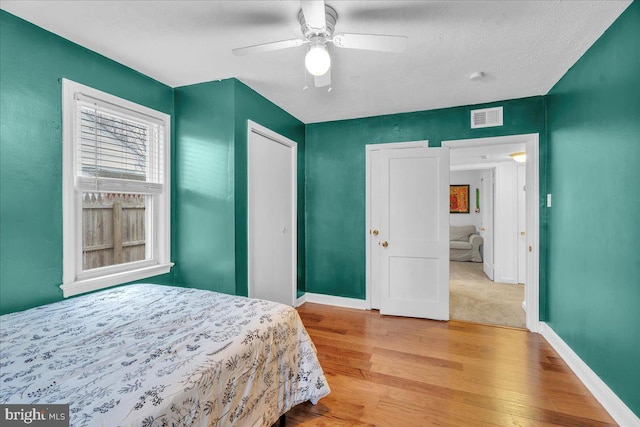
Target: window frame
<point x="75" y="280"/>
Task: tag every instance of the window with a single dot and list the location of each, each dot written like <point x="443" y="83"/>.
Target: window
<point x="115" y="190"/>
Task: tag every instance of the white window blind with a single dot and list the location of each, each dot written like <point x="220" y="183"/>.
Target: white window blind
<point x="119" y="150"/>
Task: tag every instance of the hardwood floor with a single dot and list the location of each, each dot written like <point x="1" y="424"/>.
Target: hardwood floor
<point x="392" y="371"/>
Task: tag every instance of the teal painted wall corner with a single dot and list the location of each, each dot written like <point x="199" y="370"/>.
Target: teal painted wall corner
<point x="32" y="63"/>
<point x="594" y="227"/>
<point x="204" y="182"/>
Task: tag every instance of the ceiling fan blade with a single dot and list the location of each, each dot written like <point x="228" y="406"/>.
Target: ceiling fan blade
<point x="268" y="47"/>
<point x="370" y="42"/>
<point x="313" y="11"/>
<point x="323" y="80"/>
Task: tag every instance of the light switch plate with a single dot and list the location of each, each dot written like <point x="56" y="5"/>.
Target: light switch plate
<point x="548" y="200"/>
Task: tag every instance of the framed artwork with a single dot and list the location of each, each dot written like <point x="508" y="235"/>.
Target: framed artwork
<point x="459" y="198"/>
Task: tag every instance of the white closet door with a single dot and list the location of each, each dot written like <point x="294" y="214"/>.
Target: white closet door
<point x="272" y="219"/>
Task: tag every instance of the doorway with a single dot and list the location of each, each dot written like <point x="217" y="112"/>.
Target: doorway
<point x="474" y="294"/>
<point x="272" y="207"/>
<point x="482" y="153"/>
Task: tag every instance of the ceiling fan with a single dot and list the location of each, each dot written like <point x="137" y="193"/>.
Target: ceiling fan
<point x="317" y="22"/>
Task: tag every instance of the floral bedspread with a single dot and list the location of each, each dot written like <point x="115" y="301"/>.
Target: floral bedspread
<point x="151" y="355"/>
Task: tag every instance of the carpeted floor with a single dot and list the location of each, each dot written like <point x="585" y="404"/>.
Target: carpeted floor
<point x="475" y="298"/>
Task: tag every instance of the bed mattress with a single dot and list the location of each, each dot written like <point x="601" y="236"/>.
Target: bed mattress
<point x="152" y="355"/>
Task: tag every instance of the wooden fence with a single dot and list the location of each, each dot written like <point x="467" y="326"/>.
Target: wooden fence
<point x="113" y="229"/>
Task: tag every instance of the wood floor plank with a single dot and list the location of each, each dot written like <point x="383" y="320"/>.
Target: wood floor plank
<point x="415" y="358"/>
<point x="392" y="371"/>
<point x="446" y="412"/>
<point x="595" y="412"/>
<point x="491" y="389"/>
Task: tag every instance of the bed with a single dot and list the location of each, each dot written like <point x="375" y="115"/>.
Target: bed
<point x="152" y="355"/>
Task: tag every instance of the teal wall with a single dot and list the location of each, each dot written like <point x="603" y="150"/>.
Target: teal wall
<point x="211" y="181"/>
<point x="593" y="296"/>
<point x="204" y="193"/>
<point x="32" y="63"/>
<point x="335" y="180"/>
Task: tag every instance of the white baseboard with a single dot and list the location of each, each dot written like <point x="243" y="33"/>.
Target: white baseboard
<point x="301" y="300"/>
<point x="607" y="398"/>
<point x="336" y="301"/>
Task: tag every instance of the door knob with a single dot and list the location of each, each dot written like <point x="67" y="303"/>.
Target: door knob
<point x="385" y="244"/>
<point x="522" y="233"/>
<point x="482" y="229"/>
<point x="375" y="232"/>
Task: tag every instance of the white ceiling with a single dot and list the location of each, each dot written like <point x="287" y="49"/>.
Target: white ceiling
<point x="523" y="47"/>
<point x="484" y="154"/>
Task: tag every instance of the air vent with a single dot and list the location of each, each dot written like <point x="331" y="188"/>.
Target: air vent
<point x="486" y="117"/>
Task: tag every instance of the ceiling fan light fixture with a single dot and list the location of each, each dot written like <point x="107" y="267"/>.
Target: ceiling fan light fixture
<point x="317" y="61"/>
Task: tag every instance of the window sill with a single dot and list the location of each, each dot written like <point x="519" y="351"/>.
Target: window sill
<point x="96" y="283"/>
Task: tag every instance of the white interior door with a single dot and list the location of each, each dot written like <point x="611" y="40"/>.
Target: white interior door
<point x="414" y="233"/>
<point x="486" y="220"/>
<point x="374" y="213"/>
<point x="272" y="216"/>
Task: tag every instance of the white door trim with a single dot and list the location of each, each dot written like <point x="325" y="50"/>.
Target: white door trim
<point x="368" y="149"/>
<point x="531" y="141"/>
<point x="253" y="127"/>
